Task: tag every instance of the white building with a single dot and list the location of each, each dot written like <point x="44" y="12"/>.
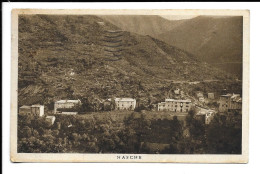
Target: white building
<point x="37" y="110"/>
<point x="66" y="106"/>
<point x="125" y="103"/>
<point x="211" y="95"/>
<point x="24" y="110"/>
<point x="51" y="119"/>
<point x="209" y="116"/>
<point x="177" y="91"/>
<point x="161" y="106"/>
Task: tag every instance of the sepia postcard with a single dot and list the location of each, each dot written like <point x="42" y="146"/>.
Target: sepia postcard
<point x="130" y="85"/>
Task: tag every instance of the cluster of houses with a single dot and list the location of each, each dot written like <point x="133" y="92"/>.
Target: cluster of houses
<point x="36" y="110"/>
<point x="227" y="103"/>
<point x="230" y="102"/>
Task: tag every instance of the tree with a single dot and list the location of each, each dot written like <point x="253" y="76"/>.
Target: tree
<point x="224" y="134"/>
<point x="26" y="132"/>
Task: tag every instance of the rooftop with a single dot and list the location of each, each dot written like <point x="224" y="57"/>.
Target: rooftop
<point x="124" y="99"/>
<point x="230" y="95"/>
<point x="25" y="107"/>
<point x="37" y="105"/>
<point x="175" y="100"/>
<point x="68" y="101"/>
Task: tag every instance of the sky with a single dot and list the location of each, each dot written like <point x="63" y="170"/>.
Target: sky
<point x="177" y="17"/>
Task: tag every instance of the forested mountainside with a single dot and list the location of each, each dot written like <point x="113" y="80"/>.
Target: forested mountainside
<point x="214" y="39"/>
<point x="65" y="57"/>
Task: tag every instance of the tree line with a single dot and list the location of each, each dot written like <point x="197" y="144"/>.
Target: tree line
<point x="131" y="135"/>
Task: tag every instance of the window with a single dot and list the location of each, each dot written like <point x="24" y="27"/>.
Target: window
<point x="181" y="110"/>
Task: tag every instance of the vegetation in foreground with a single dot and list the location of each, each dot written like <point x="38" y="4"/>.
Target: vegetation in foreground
<point x="130" y="132"/>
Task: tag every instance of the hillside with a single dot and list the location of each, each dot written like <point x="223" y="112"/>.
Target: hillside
<point x="152" y="25"/>
<point x="216" y="40"/>
<point x="63" y="57"/>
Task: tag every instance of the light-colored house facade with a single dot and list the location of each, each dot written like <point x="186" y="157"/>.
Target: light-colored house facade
<point x="201" y="99"/>
<point x="175" y="105"/>
<point x="24" y="110"/>
<point x="209" y="116"/>
<point x="230" y="102"/>
<point x="125" y="103"/>
<point x="211" y="95"/>
<point x="51" y="119"/>
<point x="66" y="104"/>
<point x="161" y="106"/>
<point x="199" y="94"/>
<point x="37" y="110"/>
<point x="177" y="91"/>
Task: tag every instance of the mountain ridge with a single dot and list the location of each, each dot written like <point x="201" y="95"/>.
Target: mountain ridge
<point x="62" y="57"/>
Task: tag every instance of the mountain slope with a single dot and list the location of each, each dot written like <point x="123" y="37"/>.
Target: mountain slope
<point x="213" y="39"/>
<point x="64" y="57"/>
<point x="216" y="40"/>
<point x="152" y="25"/>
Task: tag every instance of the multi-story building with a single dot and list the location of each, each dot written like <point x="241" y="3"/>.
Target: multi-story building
<point x="125" y="103"/>
<point x="161" y="106"/>
<point x="177" y="91"/>
<point x="175" y="105"/>
<point x="230" y="102"/>
<point x="66" y="106"/>
<point x="37" y="110"/>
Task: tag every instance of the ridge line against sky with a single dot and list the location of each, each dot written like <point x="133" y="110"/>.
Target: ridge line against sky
<point x="178" y="17"/>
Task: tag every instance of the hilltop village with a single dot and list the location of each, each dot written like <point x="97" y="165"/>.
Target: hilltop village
<point x="159" y="124"/>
